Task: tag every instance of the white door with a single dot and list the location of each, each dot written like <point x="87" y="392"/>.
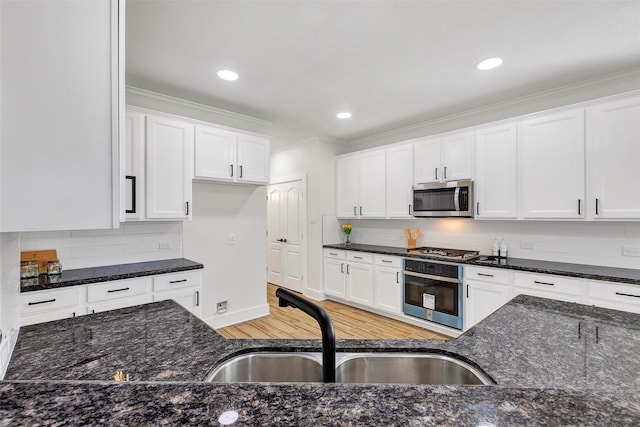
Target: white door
<point x="399" y="181"/>
<point x="388" y="289"/>
<point x="483" y="298"/>
<point x="371" y="184"/>
<point x="613" y="159"/>
<point x="169" y="148"/>
<point x="426" y="161"/>
<point x="347" y="187"/>
<point x="334" y="277"/>
<point x="253" y="159"/>
<point x="496" y="185"/>
<point x="551" y="151"/>
<point x="134" y="160"/>
<point x="457" y="156"/>
<point x="285" y="217"/>
<point x="360" y="283"/>
<point x="215" y="153"/>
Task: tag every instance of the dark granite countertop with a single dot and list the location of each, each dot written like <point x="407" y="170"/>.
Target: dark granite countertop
<point x="83" y="276"/>
<point x="583" y="271"/>
<point x="554" y="363"/>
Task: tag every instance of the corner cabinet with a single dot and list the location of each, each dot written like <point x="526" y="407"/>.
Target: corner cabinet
<point x="168" y="177"/>
<point x="62" y="95"/>
<point x="551" y="155"/>
<point x="226" y="156"/>
<point x="360" y="185"/>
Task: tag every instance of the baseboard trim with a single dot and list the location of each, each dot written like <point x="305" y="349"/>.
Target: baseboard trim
<point x="228" y="319"/>
<point x="316" y="295"/>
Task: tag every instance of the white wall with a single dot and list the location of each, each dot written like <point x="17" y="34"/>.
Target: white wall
<point x="314" y="158"/>
<point x="234" y="273"/>
<point x="9" y="290"/>
<point x="132" y="242"/>
<point x="574" y="242"/>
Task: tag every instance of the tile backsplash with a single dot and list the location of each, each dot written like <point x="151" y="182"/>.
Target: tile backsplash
<point x="132" y="242"/>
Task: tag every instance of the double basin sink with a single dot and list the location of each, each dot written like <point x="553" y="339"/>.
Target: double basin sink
<point x="379" y="368"/>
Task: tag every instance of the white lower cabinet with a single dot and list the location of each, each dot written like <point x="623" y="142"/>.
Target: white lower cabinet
<point x="548" y="286"/>
<point x="486" y="290"/>
<point x="617" y="296"/>
<point x="334" y="273"/>
<point x="55" y="304"/>
<point x="360" y="278"/>
<point x="387" y="283"/>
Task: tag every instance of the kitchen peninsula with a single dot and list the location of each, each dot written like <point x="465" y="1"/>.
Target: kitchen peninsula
<point x="553" y="363"/>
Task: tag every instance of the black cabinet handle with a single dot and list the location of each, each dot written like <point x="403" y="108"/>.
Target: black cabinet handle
<point x="467" y="291"/>
<point x="409" y="209"/>
<point x="178" y="281"/>
<point x="397" y="277"/>
<point x="357" y="257"/>
<point x="347" y="268"/>
<point x="187" y="209"/>
<point x="579" y="205"/>
<point x="360" y="210"/>
<point x="197" y="298"/>
<point x="354" y="211"/>
<point x="485" y="275"/>
<point x="240" y="172"/>
<point x="117" y="290"/>
<point x="333" y="253"/>
<point x="596" y="206"/>
<point x="342" y="267"/>
<point x="231" y="171"/>
<point x="477" y="208"/>
<point x="133" y="194"/>
<point x="627" y="295"/>
<point x="42" y="302"/>
<point x="544" y="283"/>
<point x="445" y="172"/>
<point x="436" y="173"/>
<point x="384" y="260"/>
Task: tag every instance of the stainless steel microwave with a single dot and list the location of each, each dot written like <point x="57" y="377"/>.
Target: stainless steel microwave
<point x="443" y="199"/>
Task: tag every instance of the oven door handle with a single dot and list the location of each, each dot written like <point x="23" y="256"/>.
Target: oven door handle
<point x="429" y="276"/>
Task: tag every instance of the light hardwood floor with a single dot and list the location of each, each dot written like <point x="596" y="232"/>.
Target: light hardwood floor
<point x="349" y="322"/>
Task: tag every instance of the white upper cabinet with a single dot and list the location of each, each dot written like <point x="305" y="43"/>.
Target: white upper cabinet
<point x="446" y="158"/>
<point x="551" y="155"/>
<point x="360" y="185"/>
<point x="134" y="160"/>
<point x="169" y="150"/>
<point x="224" y="155"/>
<point x="613" y="159"/>
<point x="399" y="181"/>
<point x="61" y="109"/>
<point x="496" y="189"/>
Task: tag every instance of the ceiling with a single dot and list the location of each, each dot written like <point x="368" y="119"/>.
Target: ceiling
<point x="390" y="63"/>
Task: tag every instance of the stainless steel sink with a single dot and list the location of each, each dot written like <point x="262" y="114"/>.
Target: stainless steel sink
<point x="407" y="368"/>
<point x="269" y="367"/>
<point x="389" y="368"/>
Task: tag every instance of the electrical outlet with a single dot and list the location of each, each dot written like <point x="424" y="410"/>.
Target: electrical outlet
<point x="631" y="250"/>
<point x="525" y="244"/>
<point x="164" y="245"/>
<point x="232" y="239"/>
<point x="222" y="306"/>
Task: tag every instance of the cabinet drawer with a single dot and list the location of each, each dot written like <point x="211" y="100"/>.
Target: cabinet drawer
<point x="388" y="261"/>
<point x="116" y="289"/>
<point x="364" y="257"/>
<point x="556" y="284"/>
<point x="166" y="282"/>
<point x="33" y="318"/>
<point x="615" y="292"/>
<point x="493" y="275"/>
<point x="34" y="302"/>
<point x="119" y="303"/>
<point x="335" y="253"/>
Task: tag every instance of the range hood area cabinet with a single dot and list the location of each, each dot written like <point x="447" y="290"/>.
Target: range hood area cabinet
<point x="226" y="156"/>
<point x="446" y="158"/>
<point x="62" y="101"/>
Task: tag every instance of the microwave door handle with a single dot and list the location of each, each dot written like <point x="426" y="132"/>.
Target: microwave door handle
<point x="456" y="199"/>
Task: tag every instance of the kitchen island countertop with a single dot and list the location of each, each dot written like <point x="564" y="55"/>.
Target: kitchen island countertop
<point x="553" y="362"/>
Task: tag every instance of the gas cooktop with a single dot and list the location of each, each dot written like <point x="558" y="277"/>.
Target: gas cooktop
<point x="446" y="253"/>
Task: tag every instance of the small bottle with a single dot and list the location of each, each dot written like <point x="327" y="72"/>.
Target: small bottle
<point x="495" y="248"/>
<point x="503" y="249"/>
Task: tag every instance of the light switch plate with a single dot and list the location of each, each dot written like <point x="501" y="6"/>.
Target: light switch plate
<point x="526" y="244"/>
<point x="232" y="239"/>
<point x="631" y="250"/>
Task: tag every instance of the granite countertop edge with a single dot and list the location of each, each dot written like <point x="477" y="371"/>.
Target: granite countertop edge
<point x="582" y="271"/>
<point x="87" y="276"/>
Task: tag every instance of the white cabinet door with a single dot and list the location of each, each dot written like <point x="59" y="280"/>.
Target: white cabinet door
<point x="496" y="188"/>
<point x="371" y="184"/>
<point x="360" y="283"/>
<point x="60" y="117"/>
<point x="457" y="156"/>
<point x="426" y="161"/>
<point x="253" y="159"/>
<point x="215" y="153"/>
<point x="388" y="289"/>
<point x="188" y="298"/>
<point x="347" y="187"/>
<point x="169" y="148"/>
<point x="134" y="160"/>
<point x="334" y="277"/>
<point x="483" y="298"/>
<point x="399" y="173"/>
<point x="613" y="159"/>
<point x="551" y="165"/>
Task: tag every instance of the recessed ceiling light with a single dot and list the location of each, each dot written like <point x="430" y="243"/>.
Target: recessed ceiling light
<point x="489" y="64"/>
<point x="344" y="115"/>
<point x="228" y="75"/>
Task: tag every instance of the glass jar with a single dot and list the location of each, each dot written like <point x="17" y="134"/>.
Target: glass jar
<point x="54" y="268"/>
<point x="29" y="269"/>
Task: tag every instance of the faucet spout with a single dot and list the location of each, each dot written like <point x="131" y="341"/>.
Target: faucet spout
<point x="286" y="298"/>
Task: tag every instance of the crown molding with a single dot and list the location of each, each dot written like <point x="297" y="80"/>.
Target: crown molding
<point x="195" y="105"/>
<point x="609" y="79"/>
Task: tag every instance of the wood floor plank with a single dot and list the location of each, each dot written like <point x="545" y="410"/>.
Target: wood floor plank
<point x="349" y="323"/>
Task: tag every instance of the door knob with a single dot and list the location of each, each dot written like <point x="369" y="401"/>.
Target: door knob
<point x="284" y="240"/>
